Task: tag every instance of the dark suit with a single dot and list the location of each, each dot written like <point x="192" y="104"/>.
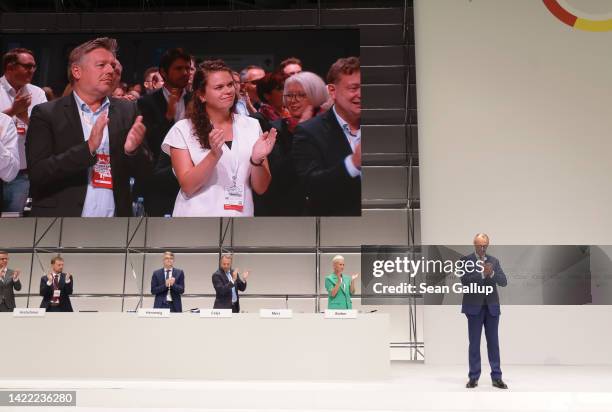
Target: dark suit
<point x="7" y="295"/>
<point x="159" y="289"/>
<point x="285" y="195"/>
<point x="483" y="310"/>
<point x="223" y="288"/>
<point x="59" y="159"/>
<point x="319" y="150"/>
<point x="46" y="292"/>
<point x="160" y="189"/>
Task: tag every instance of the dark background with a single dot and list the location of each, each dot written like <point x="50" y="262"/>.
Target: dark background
<point x="317" y="48"/>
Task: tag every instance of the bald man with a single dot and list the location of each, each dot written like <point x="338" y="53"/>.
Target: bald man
<point x="483" y="310"/>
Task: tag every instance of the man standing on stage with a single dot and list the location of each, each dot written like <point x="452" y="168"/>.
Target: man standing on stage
<point x="483" y="310"/>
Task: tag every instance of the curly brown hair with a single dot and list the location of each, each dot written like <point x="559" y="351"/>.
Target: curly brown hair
<point x="197" y="112"/>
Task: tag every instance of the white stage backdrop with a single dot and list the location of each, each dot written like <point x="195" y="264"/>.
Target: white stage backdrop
<point x="515" y="122"/>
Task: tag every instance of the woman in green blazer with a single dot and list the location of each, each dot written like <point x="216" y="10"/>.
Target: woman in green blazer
<point x="339" y="287"/>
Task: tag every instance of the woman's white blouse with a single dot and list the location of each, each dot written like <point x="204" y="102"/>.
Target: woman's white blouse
<point x="209" y="200"/>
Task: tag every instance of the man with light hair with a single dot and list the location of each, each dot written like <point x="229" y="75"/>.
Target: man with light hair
<point x="483" y="310"/>
<point x="340" y="287"/>
<point x="83" y="148"/>
<point x="227" y="284"/>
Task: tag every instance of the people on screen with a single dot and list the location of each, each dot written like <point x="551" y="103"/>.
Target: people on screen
<point x="303" y="95"/>
<point x="327" y="148"/>
<point x="56" y="288"/>
<point x="228" y="285"/>
<point x="152" y="80"/>
<point x="9" y="152"/>
<point x="168" y="284"/>
<point x="160" y="110"/>
<point x="219" y="157"/>
<point x="483" y="310"/>
<point x="82" y="149"/>
<point x="249" y="76"/>
<point x="291" y="66"/>
<point x="9" y="283"/>
<point x="18" y="96"/>
<point x="340" y="287"/>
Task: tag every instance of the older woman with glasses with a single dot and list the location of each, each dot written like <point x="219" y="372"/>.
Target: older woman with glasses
<point x="303" y="95"/>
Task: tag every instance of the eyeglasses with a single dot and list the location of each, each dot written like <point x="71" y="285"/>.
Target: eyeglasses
<point x="27" y="66"/>
<point x="295" y="96"/>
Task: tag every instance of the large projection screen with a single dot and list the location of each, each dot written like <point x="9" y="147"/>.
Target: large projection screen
<point x="515" y="122"/>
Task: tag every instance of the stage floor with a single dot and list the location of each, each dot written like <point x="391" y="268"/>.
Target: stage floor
<point x="412" y="387"/>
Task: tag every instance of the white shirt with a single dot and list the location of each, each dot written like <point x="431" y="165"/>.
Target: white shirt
<point x="179" y="113"/>
<point x="209" y="200"/>
<point x="353" y="140"/>
<point x="9" y="152"/>
<point x="99" y="201"/>
<point x="7" y="97"/>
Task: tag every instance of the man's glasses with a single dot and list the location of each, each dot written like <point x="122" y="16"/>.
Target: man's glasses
<point x="295" y="96"/>
<point x="27" y="66"/>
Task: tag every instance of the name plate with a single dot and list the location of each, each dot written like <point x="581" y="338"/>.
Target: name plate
<point x="153" y="313"/>
<point x="29" y="312"/>
<point x="340" y="314"/>
<point x="215" y="313"/>
<point x="276" y="313"/>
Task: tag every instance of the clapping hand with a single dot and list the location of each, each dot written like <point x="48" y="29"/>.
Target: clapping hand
<point x="263" y="146"/>
<point x="135" y="136"/>
<point x="355" y="276"/>
<point x="97" y="132"/>
<point x="216" y="139"/>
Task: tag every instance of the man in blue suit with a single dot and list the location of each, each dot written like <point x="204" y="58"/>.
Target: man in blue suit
<point x="168" y="284"/>
<point x="483" y="310"/>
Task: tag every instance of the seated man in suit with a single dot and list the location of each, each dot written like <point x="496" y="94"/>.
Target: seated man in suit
<point x="56" y="288"/>
<point x="227" y="283"/>
<point x="483" y="310"/>
<point x="327" y="148"/>
<point x="83" y="148"/>
<point x="168" y="284"/>
<point x="160" y="110"/>
<point x="9" y="281"/>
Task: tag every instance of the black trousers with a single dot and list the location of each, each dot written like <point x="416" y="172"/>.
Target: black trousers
<point x="4" y="308"/>
<point x="236" y="307"/>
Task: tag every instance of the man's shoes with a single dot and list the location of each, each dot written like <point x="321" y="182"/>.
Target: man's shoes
<point x="472" y="383"/>
<point x="498" y="383"/>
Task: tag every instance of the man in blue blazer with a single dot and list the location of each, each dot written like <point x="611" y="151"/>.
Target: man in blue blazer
<point x="227" y="284"/>
<point x="168" y="284"/>
<point x="483" y="310"/>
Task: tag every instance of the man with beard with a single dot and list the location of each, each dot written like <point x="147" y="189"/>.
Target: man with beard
<point x="160" y="110"/>
<point x="83" y="148"/>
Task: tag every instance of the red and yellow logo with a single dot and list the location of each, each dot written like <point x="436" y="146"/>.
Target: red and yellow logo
<point x="574" y="21"/>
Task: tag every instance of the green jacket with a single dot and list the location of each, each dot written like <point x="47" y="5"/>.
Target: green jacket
<point x="342" y="300"/>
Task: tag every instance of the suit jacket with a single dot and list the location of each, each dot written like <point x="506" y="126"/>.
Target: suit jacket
<point x="285" y="195"/>
<point x="473" y="302"/>
<point x="159" y="289"/>
<point x="46" y="292"/>
<point x="59" y="159"/>
<point x="342" y="300"/>
<point x="160" y="189"/>
<point x="319" y="150"/>
<point x="6" y="289"/>
<point x="223" y="288"/>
